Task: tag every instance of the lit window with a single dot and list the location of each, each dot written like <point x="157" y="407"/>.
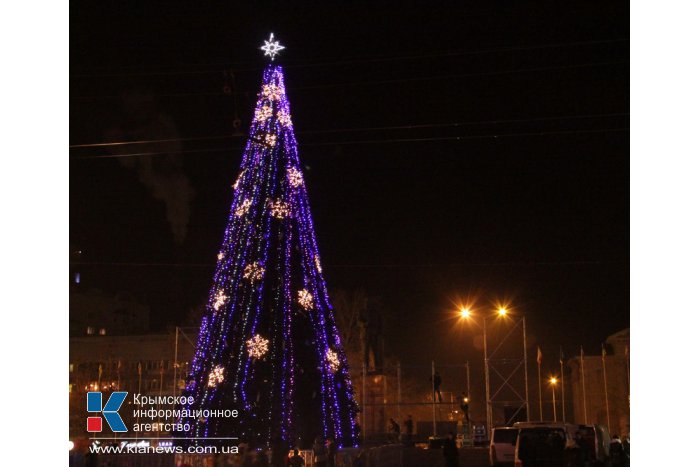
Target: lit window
<point x="103" y="331"/>
<point x="70" y="368"/>
<point x="90" y="331"/>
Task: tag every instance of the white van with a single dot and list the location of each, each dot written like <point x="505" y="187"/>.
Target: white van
<point x="543" y="444"/>
<point x="502" y="448"/>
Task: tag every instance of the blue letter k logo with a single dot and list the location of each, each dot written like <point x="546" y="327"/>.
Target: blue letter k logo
<point x="110" y="411"/>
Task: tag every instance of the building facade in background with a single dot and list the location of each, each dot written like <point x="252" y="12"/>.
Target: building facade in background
<point x="94" y="313"/>
<point x="140" y="363"/>
<point x="593" y="409"/>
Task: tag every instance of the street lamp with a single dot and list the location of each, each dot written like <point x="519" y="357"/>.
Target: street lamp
<point x="553" y="382"/>
<point x="501" y="311"/>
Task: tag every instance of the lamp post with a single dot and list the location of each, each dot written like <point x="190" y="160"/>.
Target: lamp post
<point x="465" y="313"/>
<point x="553" y="382"/>
<point x="486" y="382"/>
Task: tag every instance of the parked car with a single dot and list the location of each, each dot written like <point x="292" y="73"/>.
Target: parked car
<point x="502" y="448"/>
<point x="543" y="444"/>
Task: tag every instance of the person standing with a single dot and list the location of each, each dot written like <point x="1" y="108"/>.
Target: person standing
<point x="296" y="460"/>
<point x="618" y="456"/>
<point x="394" y="430"/>
<point x="450" y="451"/>
<point x="261" y="460"/>
<point x="437" y="381"/>
<point x="331" y="448"/>
<point x="278" y="450"/>
<point x="576" y="452"/>
<point x="408" y="423"/>
<point x="464" y="405"/>
<point x="320" y="453"/>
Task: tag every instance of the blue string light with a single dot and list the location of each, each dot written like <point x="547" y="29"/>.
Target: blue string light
<point x="268" y="293"/>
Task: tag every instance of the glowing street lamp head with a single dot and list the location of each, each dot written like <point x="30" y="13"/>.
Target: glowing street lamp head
<point x="465" y="313"/>
<point x="502" y="311"/>
<point x="553" y="380"/>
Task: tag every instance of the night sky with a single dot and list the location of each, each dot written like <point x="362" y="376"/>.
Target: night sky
<point x="451" y="150"/>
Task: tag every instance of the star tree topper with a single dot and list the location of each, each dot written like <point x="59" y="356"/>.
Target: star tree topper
<point x="271" y="47"/>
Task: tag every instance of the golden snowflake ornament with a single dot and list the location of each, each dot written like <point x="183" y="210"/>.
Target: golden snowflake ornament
<point x="238" y="180"/>
<point x="253" y="272"/>
<point x="243" y="208"/>
<point x="305" y="299"/>
<point x="279" y="209"/>
<point x="295" y="177"/>
<point x="263" y="113"/>
<point x="257" y="346"/>
<point x="272" y="92"/>
<point x="216" y="376"/>
<point x="333" y="360"/>
<point x="271" y="140"/>
<point x="219" y="300"/>
<point x="284" y="118"/>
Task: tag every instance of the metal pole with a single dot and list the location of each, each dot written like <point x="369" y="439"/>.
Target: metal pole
<point x="177" y="329"/>
<point x="469" y="386"/>
<point x="364" y="403"/>
<point x="527" y="389"/>
<point x="433" y="388"/>
<point x="469" y="401"/>
<point x="160" y="394"/>
<point x="605" y="383"/>
<point x="398" y="384"/>
<point x="554" y="401"/>
<point x="539" y="385"/>
<point x="583" y="387"/>
<point x="139" y="369"/>
<point x="629" y="382"/>
<point x="563" y="400"/>
<point x="384" y="378"/>
<point x="384" y="398"/>
<point x="486" y="381"/>
<point x="99" y="378"/>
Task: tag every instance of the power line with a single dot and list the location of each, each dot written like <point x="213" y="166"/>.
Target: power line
<point x="371" y="265"/>
<point x="350" y="130"/>
<point x="463" y="75"/>
<point x="388" y="81"/>
<point x="376" y="141"/>
<point x="366" y="59"/>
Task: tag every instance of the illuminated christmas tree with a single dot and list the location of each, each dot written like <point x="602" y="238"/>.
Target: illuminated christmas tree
<point x="268" y="343"/>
